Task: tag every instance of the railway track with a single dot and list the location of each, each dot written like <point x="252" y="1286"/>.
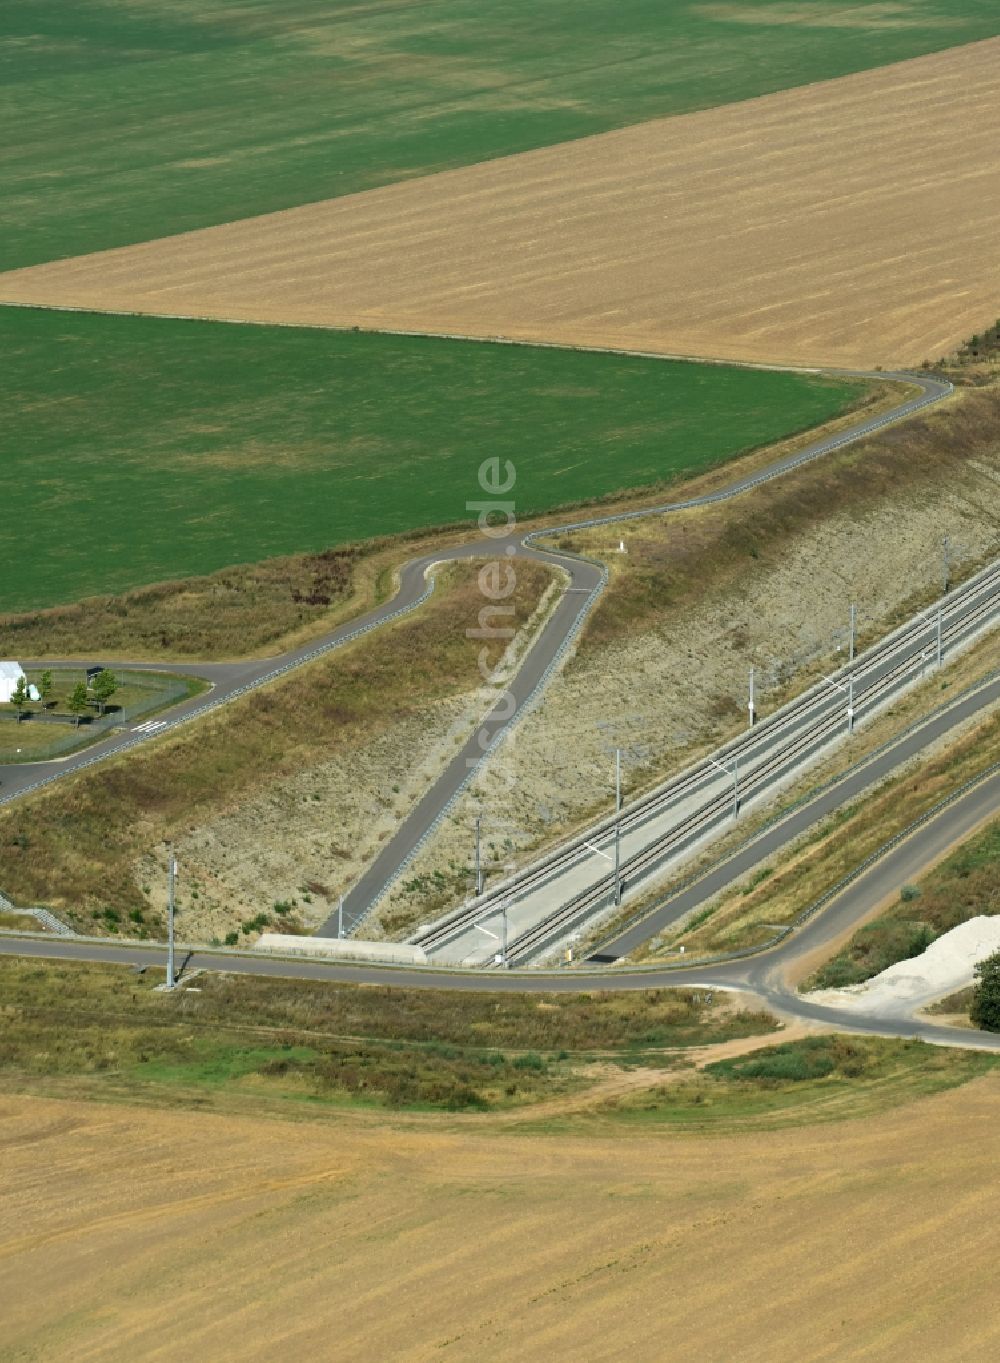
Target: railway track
<point x="763" y="758"/>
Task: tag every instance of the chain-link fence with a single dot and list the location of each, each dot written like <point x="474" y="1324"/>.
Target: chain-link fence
<point x="39" y="737"/>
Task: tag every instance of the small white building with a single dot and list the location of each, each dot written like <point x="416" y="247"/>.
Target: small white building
<point x="10" y="675"/>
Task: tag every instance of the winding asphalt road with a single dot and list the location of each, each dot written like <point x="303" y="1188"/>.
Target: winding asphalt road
<point x="770" y="976"/>
<point x="586" y="582"/>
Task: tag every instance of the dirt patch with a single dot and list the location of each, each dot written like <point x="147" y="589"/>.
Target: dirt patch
<point x="850" y="222"/>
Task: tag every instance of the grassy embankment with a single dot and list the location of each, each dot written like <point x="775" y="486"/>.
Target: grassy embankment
<point x="816" y="1079"/>
<point x="238" y="612"/>
<point x="102" y="1032"/>
<point x="965" y="885"/>
<point x="292" y="1048"/>
<point x="140" y="449"/>
<point x="156" y="119"/>
<point x="775" y="895"/>
<point x="75" y="845"/>
<point x="718" y="546"/>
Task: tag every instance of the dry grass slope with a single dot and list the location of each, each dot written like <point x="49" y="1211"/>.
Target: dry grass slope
<point x="846" y="223"/>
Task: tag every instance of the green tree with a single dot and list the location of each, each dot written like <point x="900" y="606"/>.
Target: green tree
<point x="985" y="1010"/>
<point x="104" y="686"/>
<point x="78" y="701"/>
<point x="45" y="686"/>
<point x="19" y="697"/>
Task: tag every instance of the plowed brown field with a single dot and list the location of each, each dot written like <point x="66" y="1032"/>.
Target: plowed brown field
<point x="129" y="1234"/>
<point x="850" y="223"/>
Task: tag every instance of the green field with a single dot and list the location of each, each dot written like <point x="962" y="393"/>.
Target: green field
<point x="133" y="121"/>
<point x="138" y="449"/>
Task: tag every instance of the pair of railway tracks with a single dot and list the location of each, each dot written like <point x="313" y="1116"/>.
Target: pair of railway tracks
<point x="758" y="760"/>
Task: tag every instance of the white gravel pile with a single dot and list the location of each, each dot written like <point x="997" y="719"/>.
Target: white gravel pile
<point x="946" y="966"/>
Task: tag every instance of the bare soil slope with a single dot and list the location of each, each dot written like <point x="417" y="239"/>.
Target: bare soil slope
<point x="851" y="222"/>
<point x="130" y="1234"/>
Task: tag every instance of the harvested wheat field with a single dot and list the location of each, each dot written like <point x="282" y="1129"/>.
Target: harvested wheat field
<point x="849" y="223"/>
<point x="131" y="1234"/>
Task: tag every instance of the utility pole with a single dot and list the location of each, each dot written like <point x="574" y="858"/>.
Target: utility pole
<point x="340" y="917"/>
<point x="752" y="706"/>
<point x="938" y="648"/>
<point x="854" y="632"/>
<point x="618" y="826"/>
<point x="503" y="944"/>
<point x="736" y="782"/>
<point x="849" y="688"/>
<point x="479" y="861"/>
<point x="171" y="875"/>
<point x="946" y="563"/>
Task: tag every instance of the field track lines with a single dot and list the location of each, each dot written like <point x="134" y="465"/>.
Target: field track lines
<point x="119" y="1221"/>
<point x="816" y="226"/>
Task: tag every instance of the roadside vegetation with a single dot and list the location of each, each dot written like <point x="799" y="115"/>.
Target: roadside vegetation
<point x="965" y="885"/>
<point x="816" y="1079"/>
<point x="233" y="613"/>
<point x="984" y="1009"/>
<point x="985" y="346"/>
<point x="72" y="713"/>
<point x="160" y="118"/>
<point x="206" y="444"/>
<point x="231" y="1040"/>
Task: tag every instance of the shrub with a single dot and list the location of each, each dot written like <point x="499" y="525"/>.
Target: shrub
<point x="985" y="1010"/>
<point x="873" y="949"/>
<point x="797" y="1062"/>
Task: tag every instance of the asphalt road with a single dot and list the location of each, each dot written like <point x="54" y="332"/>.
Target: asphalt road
<point x="230" y="680"/>
<point x="770" y="975"/>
